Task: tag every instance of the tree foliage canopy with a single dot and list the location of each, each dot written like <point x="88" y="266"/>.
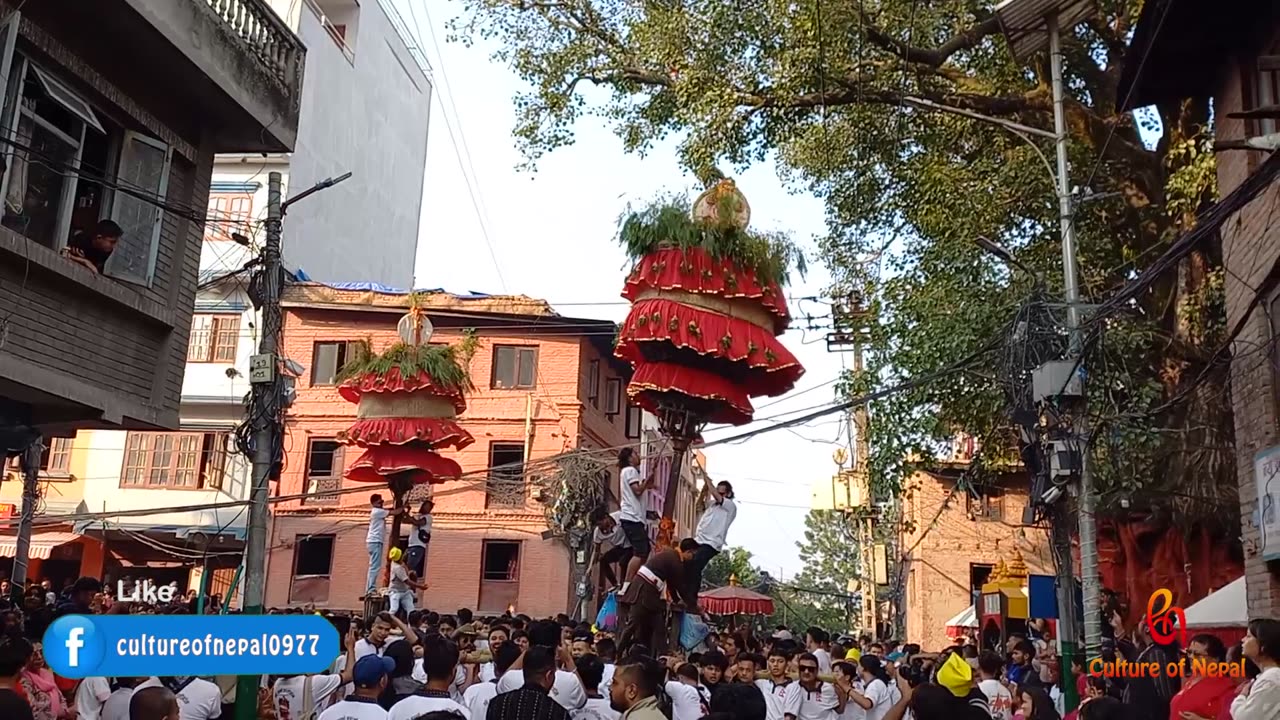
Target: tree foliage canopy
<point x="827" y="90"/>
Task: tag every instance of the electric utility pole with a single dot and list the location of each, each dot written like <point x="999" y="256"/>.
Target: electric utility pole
<point x="265" y="419"/>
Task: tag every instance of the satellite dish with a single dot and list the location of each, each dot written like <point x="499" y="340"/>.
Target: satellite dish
<point x="415" y="329"/>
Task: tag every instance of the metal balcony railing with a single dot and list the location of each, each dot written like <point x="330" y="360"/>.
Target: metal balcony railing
<point x="268" y="38"/>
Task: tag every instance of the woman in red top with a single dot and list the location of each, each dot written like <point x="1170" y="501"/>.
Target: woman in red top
<point x="1202" y="697"/>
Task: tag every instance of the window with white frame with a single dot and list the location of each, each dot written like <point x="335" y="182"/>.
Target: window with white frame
<point x="68" y="166"/>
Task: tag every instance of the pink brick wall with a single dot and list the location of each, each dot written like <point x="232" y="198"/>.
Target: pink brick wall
<point x="1250" y="242"/>
<point x="462" y="522"/>
<point x="938" y="579"/>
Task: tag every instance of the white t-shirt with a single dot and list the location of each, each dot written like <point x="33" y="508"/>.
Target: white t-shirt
<point x="354" y="710"/>
<point x="117" y="706"/>
<point x="999" y="699"/>
<point x="414" y="540"/>
<point x="686" y="704"/>
<point x="399" y="581"/>
<point x="90" y="696"/>
<point x="199" y="700"/>
<point x="566" y="690"/>
<point x="819" y="704"/>
<point x="377" y="525"/>
<point x="617" y="538"/>
<point x="606" y="678"/>
<point x="364" y="647"/>
<point x="415" y="706"/>
<point x="713" y="526"/>
<point x="288" y="693"/>
<point x="596" y="709"/>
<point x="824" y="661"/>
<point x="477" y="698"/>
<point x="881" y="699"/>
<point x="632" y="504"/>
<point x="781" y="700"/>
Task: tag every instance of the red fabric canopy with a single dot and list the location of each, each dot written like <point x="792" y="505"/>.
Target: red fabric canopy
<point x="694" y="270"/>
<point x="721" y="401"/>
<point x="390" y="381"/>
<point x="735" y="600"/>
<point x="436" y="432"/>
<point x="722" y="344"/>
<point x="423" y="466"/>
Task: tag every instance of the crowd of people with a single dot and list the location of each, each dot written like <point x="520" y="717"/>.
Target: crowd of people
<point x="426" y="666"/>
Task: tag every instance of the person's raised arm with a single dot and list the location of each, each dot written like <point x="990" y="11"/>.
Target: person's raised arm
<point x="409" y="634"/>
<point x="350" y="667"/>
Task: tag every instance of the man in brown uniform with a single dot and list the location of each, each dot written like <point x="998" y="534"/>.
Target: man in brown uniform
<point x="643" y="601"/>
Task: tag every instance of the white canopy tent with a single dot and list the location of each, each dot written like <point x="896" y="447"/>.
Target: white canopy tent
<point x="966" y="618"/>
<point x="1226" y="607"/>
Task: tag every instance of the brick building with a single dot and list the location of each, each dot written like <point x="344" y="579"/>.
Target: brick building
<point x="956" y="539"/>
<point x="544" y="384"/>
<point x="1231" y="53"/>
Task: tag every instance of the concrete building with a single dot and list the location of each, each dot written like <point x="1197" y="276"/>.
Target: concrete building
<point x="1231" y="53"/>
<point x="557" y="389"/>
<point x="957" y="536"/>
<point x="365" y="110"/>
<point x="347" y="95"/>
<point x="115" y="111"/>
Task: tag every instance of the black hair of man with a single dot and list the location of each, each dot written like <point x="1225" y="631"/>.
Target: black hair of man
<point x="465" y="615"/>
<point x="689" y="671"/>
<point x="599" y="514"/>
<point x="448" y="620"/>
<point x="715" y="659"/>
<point x="784" y="650"/>
<point x="624" y="457"/>
<point x="739" y="700"/>
<point x="537" y="663"/>
<point x="645" y="672"/>
<point x="439" y="658"/>
<point x="505" y="657"/>
<point x="607" y="649"/>
<point x="818" y="635"/>
<point x="544" y="633"/>
<point x="107" y="228"/>
<point x="990" y="663"/>
<point x="591" y="671"/>
<point x="688" y="545"/>
<point x="151" y="703"/>
<point x="14" y="654"/>
<point x="432" y="618"/>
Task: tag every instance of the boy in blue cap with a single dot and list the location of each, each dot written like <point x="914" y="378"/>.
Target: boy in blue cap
<point x="370" y="677"/>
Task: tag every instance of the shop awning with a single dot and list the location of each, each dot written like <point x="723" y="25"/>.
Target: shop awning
<point x="963" y="621"/>
<point x="42" y="544"/>
<point x="1227" y="607"/>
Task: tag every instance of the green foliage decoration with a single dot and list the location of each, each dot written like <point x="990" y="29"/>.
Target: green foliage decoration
<point x="447" y="365"/>
<point x="667" y="223"/>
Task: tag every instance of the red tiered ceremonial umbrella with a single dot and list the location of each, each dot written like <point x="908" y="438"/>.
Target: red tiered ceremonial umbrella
<point x="707" y="309"/>
<point x="408" y="398"/>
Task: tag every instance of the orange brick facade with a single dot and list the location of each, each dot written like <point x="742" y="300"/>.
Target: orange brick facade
<point x="953" y="537"/>
<point x="1250" y="244"/>
<point x="557" y="413"/>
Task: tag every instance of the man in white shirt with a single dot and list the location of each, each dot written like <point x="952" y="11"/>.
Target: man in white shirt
<point x="380" y="635"/>
<point x="370" y="677"/>
<point x="117" y="705"/>
<point x="440" y="662"/>
<point x="91" y="694"/>
<point x="198" y="699"/>
<point x="419" y="537"/>
<point x="818" y="699"/>
<point x="713" y="529"/>
<point x="401" y="587"/>
<point x="633" y="516"/>
<point x="478" y="696"/>
<point x="566" y="689"/>
<point x="818" y="641"/>
<point x="591" y="671"/>
<point x="376" y="540"/>
<point x="782" y="695"/>
<point x="290" y="693"/>
<point x="608" y="530"/>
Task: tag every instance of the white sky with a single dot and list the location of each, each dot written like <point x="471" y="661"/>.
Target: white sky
<point x="552" y="234"/>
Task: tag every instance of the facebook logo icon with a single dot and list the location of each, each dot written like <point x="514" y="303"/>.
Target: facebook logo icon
<point x="73" y="647"/>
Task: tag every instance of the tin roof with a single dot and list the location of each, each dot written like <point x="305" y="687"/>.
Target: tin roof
<point x="1024" y="25"/>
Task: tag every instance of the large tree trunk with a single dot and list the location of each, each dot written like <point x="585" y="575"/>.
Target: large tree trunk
<point x="1138" y="556"/>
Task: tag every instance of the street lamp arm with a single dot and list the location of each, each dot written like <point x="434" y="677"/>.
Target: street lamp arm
<point x="322" y="185"/>
<point x="1022" y="131"/>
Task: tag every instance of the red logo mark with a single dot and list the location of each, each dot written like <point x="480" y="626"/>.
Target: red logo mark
<point x="1161" y="619"/>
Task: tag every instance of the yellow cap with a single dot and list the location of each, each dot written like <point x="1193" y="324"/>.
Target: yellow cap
<point x="956" y="675"/>
<point x="394" y="554"/>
